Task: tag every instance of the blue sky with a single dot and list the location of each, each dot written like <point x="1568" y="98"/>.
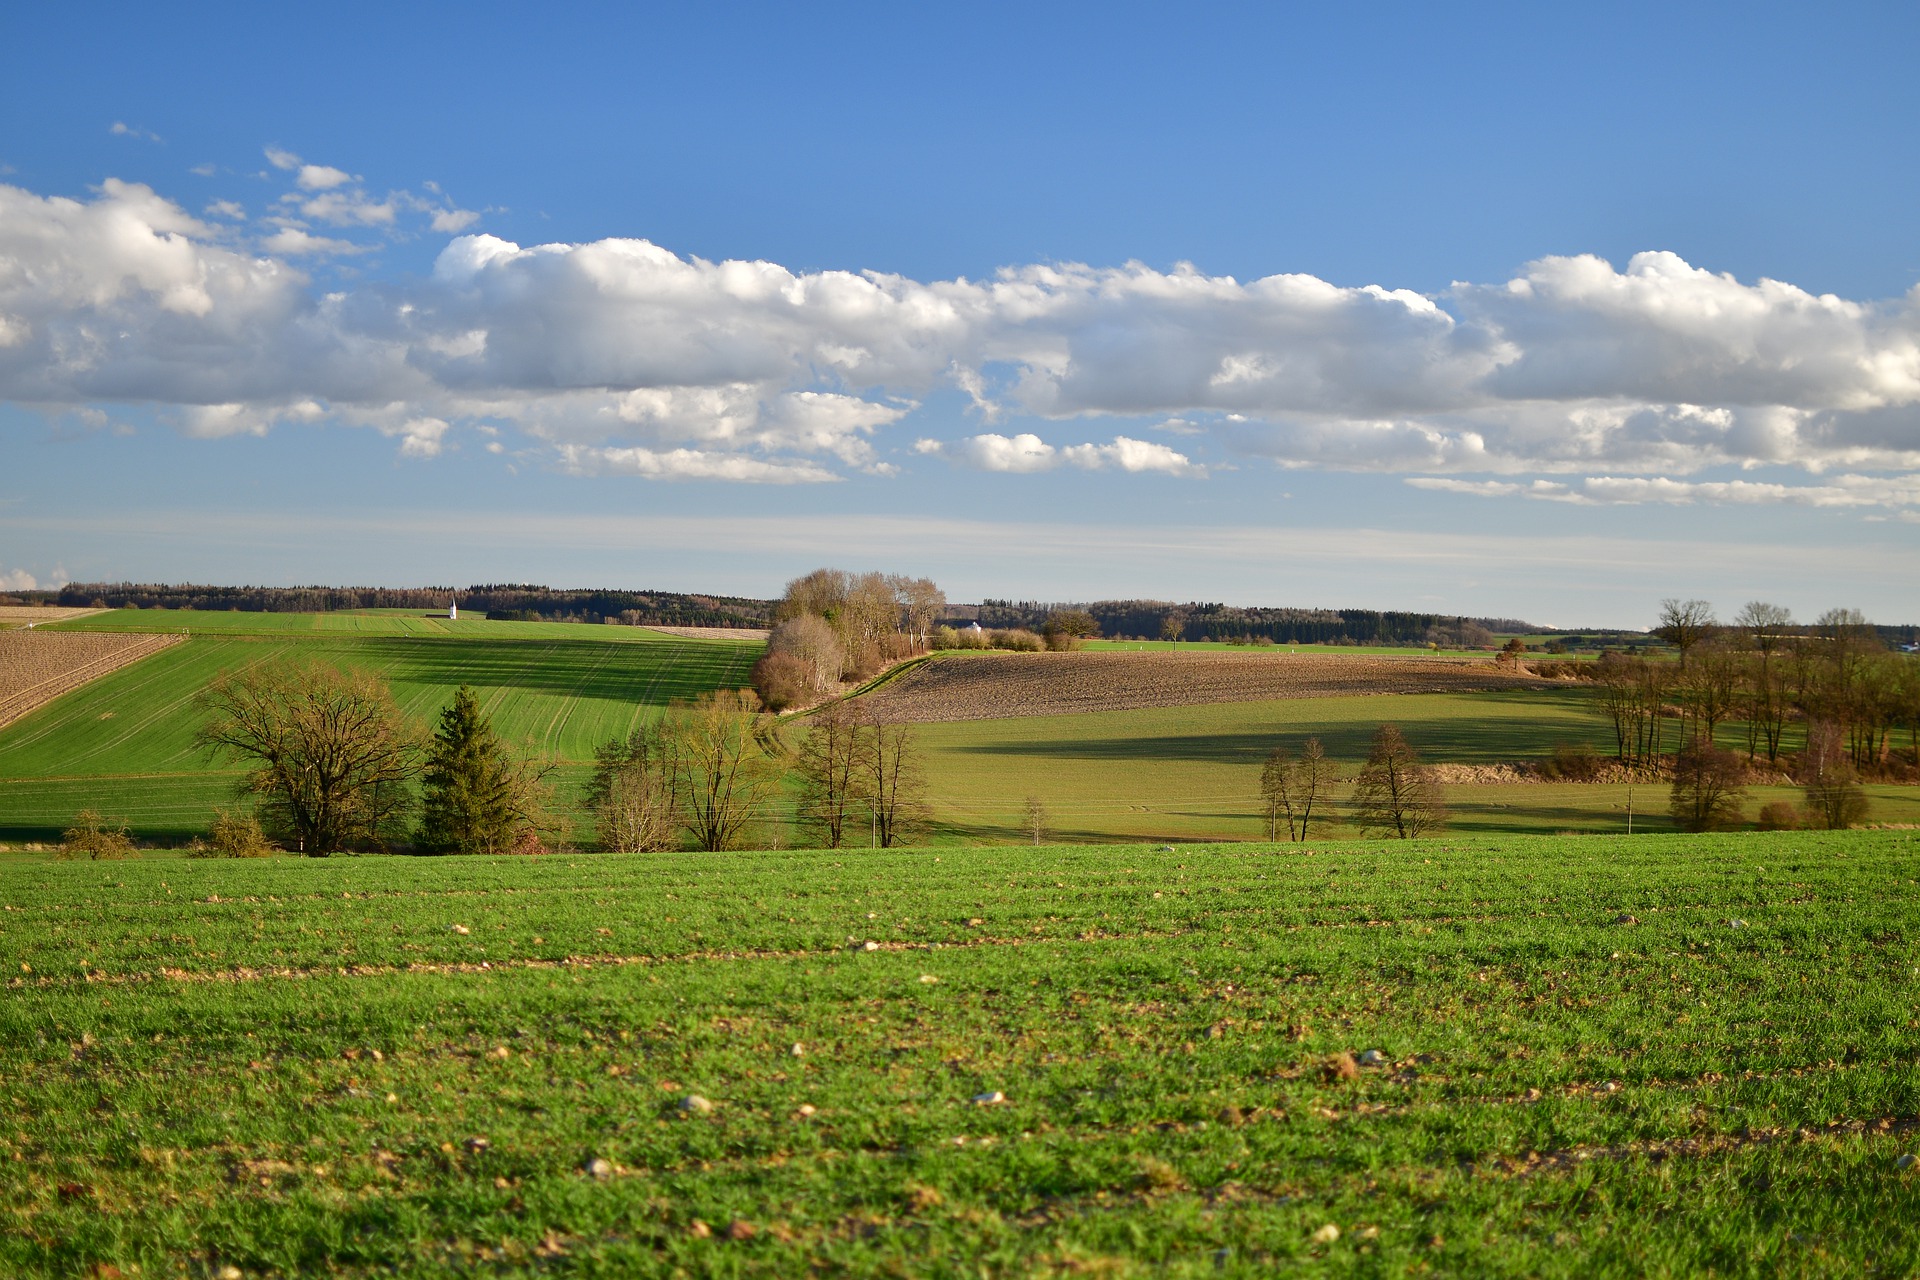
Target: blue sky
<point x="1495" y="309"/>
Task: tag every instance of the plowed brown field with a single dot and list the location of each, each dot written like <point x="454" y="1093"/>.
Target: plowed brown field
<point x="996" y="686"/>
<point x="16" y="615"/>
<point x="38" y="666"/>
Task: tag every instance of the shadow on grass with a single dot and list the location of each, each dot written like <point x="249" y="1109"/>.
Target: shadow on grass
<point x="1511" y="735"/>
<point x="580" y="668"/>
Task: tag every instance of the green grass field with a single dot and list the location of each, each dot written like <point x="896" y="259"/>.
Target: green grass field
<point x="123" y="744"/>
<point x="1194" y="772"/>
<point x="361" y="622"/>
<point x="302" y="1068"/>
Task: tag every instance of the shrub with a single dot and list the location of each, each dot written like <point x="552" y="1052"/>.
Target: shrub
<point x="1778" y="816"/>
<point x="1835" y="800"/>
<point x="633" y="796"/>
<point x="947" y="638"/>
<point x="866" y="660"/>
<point x="237" y="835"/>
<point x="1019" y="640"/>
<point x="1709" y="784"/>
<point x="782" y="680"/>
<point x="90" y="837"/>
<point x="1572" y="762"/>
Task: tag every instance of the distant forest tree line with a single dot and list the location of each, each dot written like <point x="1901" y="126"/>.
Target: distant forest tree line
<point x="1166" y="620"/>
<point x="514" y="602"/>
<point x="1145" y="619"/>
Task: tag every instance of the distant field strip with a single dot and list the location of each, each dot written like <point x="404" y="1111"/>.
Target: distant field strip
<point x="713" y="633"/>
<point x="997" y="686"/>
<point x="38" y="666"/>
<point x="14" y="615"/>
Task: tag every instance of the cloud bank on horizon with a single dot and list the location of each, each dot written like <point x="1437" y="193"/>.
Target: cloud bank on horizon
<point x="620" y="357"/>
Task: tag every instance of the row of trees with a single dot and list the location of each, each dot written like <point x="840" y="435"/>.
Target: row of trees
<point x="1394" y="794"/>
<point x="715" y="769"/>
<point x="832" y="626"/>
<point x="1765" y="673"/>
<point x="1203" y="620"/>
<point x="333" y="765"/>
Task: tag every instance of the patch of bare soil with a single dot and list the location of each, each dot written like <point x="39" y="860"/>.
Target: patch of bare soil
<point x="1000" y="686"/>
<point x="712" y="633"/>
<point x="38" y="666"/>
<point x="26" y="615"/>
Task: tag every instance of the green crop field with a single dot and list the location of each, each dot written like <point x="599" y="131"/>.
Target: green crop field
<point x="1588" y="1056"/>
<point x="1194" y="772"/>
<point x="123" y="744"/>
<point x="362" y="622"/>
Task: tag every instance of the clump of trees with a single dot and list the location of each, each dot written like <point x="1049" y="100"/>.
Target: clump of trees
<point x="859" y="776"/>
<point x="707" y="776"/>
<point x="712" y="775"/>
<point x="1067" y="629"/>
<point x="832" y="626"/>
<point x="1829" y="782"/>
<point x="1709" y="788"/>
<point x="1765" y="673"/>
<point x="1290" y="787"/>
<point x="332" y="766"/>
<point x="634" y="794"/>
<point x="1016" y="640"/>
<point x="1394" y="794"/>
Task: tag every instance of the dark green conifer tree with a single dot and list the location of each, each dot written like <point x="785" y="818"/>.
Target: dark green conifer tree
<point x="471" y="800"/>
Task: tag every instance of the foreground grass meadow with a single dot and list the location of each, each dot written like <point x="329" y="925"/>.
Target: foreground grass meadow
<point x="1595" y="1056"/>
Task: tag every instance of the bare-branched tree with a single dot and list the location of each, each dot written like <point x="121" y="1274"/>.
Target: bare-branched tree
<point x="331" y="762"/>
<point x="1684" y="624"/>
<point x="727" y="766"/>
<point x="633" y="794"/>
<point x="896" y="782"/>
<point x="831" y="762"/>
<point x="1291" y="786"/>
<point x="1829" y="782"/>
<point x="1396" y="794"/>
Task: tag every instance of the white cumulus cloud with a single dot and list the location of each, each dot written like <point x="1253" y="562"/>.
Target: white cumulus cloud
<point x="619" y="355"/>
<point x="321" y="177"/>
<point x="1027" y="452"/>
